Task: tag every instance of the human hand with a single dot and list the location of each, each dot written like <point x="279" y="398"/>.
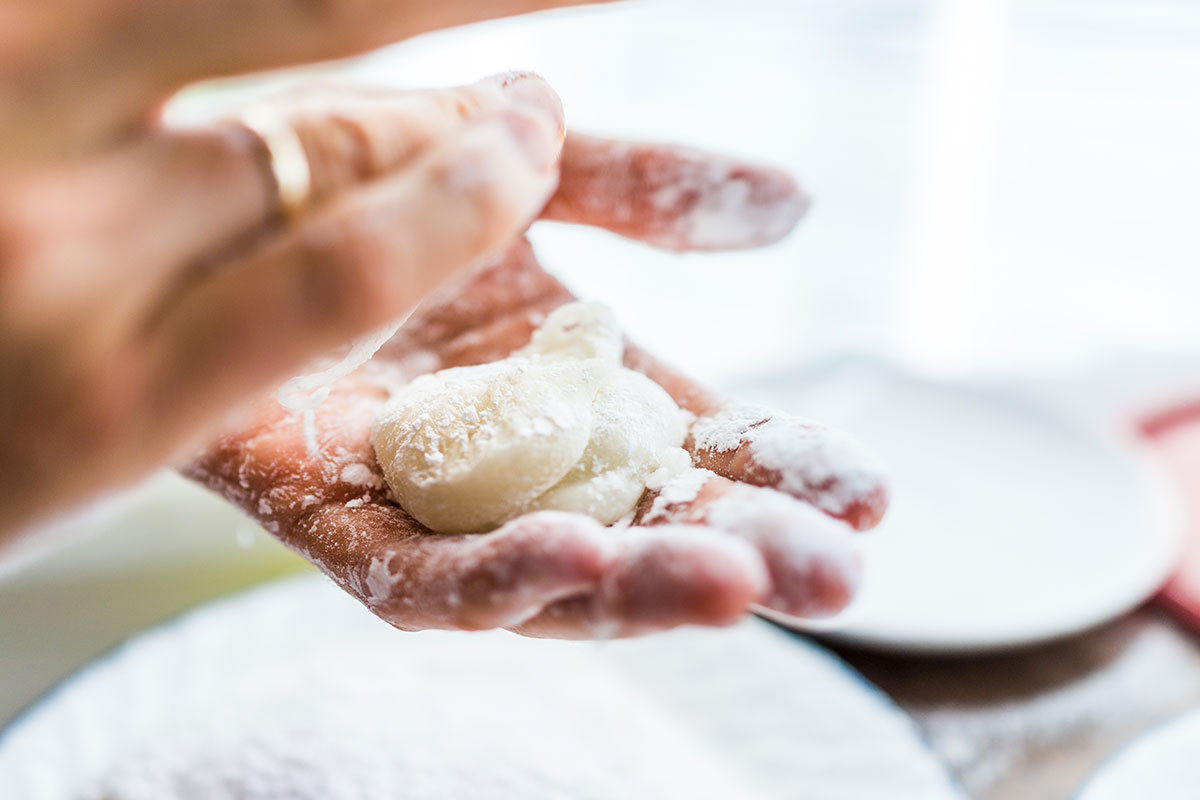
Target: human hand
<point x="704" y="551"/>
<point x="147" y="287"/>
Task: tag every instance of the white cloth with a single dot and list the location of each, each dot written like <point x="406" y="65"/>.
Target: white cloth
<point x="295" y="692"/>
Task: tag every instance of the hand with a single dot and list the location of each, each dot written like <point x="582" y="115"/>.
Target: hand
<point x="704" y="551"/>
<point x="146" y="286"/>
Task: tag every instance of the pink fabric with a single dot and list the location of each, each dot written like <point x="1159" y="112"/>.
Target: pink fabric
<point x="1176" y="433"/>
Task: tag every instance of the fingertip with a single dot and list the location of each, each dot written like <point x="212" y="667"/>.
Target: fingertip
<point x="531" y="91"/>
<point x="498" y="174"/>
<point x="829" y="584"/>
<point x="512" y="574"/>
<point x="774" y="206"/>
<point x="866" y="511"/>
<point x="682" y="575"/>
<point x="536" y="137"/>
<point x="734" y="581"/>
<point x="812" y="559"/>
<point x="823" y="466"/>
<point x="573" y="547"/>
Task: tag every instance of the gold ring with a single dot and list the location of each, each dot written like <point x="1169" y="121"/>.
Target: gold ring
<point x="286" y="157"/>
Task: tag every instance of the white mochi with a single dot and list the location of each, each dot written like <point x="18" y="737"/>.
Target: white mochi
<point x="558" y="425"/>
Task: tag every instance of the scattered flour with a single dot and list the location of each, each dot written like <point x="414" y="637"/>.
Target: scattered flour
<point x="432" y="726"/>
<point x="305" y="393"/>
<point x="679" y="489"/>
<point x="360" y="475"/>
<point x="380" y="581"/>
<point x="293" y="693"/>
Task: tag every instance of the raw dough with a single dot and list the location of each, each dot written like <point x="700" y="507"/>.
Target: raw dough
<point x="560" y="424"/>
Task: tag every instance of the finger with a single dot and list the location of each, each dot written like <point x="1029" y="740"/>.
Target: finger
<point x="134" y="208"/>
<point x="674" y="197"/>
<point x="812" y="563"/>
<point x="809" y="461"/>
<point x="363" y="260"/>
<point x="662" y="578"/>
<point x="618" y="186"/>
<point x="469" y="582"/>
<point x="205" y="188"/>
<point x="752" y="444"/>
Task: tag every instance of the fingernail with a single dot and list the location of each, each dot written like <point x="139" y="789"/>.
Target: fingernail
<point x="529" y="90"/>
<point x="536" y="140"/>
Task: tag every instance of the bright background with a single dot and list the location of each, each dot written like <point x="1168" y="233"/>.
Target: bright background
<point x="1004" y="186"/>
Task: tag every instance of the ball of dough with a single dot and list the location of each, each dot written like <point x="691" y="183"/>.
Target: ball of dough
<point x="558" y="425"/>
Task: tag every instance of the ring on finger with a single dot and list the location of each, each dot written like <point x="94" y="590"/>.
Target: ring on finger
<point x="286" y="158"/>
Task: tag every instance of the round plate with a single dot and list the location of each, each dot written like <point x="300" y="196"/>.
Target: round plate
<point x="1160" y="764"/>
<point x="1011" y="523"/>
<point x="295" y="691"/>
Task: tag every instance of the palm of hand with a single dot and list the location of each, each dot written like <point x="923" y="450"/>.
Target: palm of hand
<point x="703" y="555"/>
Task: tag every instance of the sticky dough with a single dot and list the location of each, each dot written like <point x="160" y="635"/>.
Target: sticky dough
<point x="559" y="424"/>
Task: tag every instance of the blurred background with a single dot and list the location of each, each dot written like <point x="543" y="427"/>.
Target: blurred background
<point x="1001" y="186"/>
<point x="1000" y="273"/>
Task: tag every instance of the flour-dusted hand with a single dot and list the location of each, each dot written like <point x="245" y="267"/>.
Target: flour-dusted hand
<point x="704" y="549"/>
<point x="154" y="281"/>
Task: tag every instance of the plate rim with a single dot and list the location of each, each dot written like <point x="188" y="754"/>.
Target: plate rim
<point x="1164" y="496"/>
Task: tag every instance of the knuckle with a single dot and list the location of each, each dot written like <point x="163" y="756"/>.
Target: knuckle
<point x="339" y="147"/>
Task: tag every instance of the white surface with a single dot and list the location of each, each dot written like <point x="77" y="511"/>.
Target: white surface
<point x="297" y="679"/>
<point x="1010" y="522"/>
<point x="1159" y="765"/>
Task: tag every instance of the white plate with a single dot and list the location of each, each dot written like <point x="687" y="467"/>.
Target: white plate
<point x="1011" y="522"/>
<point x="1159" y="765"/>
<point x="188" y="710"/>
